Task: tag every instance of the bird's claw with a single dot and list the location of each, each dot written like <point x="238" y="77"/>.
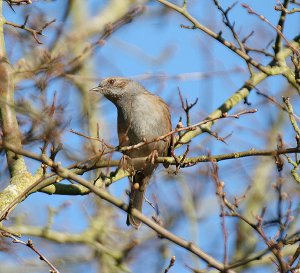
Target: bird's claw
<point x="126" y="163"/>
<point x="152" y="157"/>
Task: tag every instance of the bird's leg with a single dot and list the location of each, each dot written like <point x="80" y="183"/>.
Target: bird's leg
<point x="126" y="163"/>
<point x="152" y="157"/>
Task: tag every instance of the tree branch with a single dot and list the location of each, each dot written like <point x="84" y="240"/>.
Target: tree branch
<point x="9" y="122"/>
<point x="67" y="174"/>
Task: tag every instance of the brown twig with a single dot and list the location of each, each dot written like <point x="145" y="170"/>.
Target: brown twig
<point x="261" y="51"/>
<point x="222" y="201"/>
<point x="18" y="2"/>
<point x="186" y="107"/>
<point x="231" y="27"/>
<point x="82" y="167"/>
<point x="196" y="24"/>
<point x="188" y="128"/>
<point x="278" y="30"/>
<point x="172" y="262"/>
<point x="92" y="138"/>
<point x="292" y="239"/>
<point x="67" y="174"/>
<point x="273" y="246"/>
<point x="176" y="130"/>
<point x="34" y="32"/>
<point x="273" y="100"/>
<point x="30" y="244"/>
<point x="280" y="7"/>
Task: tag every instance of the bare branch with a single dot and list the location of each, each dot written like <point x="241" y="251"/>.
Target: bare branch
<point x="33" y="248"/>
<point x="34" y="32"/>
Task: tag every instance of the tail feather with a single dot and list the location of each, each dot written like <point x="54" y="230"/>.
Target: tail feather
<point x="136" y="197"/>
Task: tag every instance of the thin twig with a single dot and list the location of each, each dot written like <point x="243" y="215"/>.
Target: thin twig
<point x="172" y="262"/>
<point x="65" y="173"/>
<point x="217" y="36"/>
<point x="29" y="244"/>
<point x="222" y="200"/>
<point x="280" y="7"/>
<point x="18" y="2"/>
<point x="92" y="138"/>
<point x="231" y="26"/>
<point x="278" y="30"/>
<point x="188" y="128"/>
<point x="34" y="32"/>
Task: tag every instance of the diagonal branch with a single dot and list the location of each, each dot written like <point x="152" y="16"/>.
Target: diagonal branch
<point x="216" y="36"/>
<point x="191" y="247"/>
<point x="30" y="244"/>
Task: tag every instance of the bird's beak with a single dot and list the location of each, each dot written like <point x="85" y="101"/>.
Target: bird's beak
<point x="95" y="89"/>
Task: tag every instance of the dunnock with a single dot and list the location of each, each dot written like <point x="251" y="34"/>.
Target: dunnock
<point x="141" y="116"/>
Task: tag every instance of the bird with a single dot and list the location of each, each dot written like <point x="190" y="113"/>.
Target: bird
<point x="142" y="116"/>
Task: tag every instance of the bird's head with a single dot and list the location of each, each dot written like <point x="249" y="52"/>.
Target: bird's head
<point x="116" y="88"/>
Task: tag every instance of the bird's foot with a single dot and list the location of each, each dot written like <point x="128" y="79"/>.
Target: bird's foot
<point x="152" y="157"/>
<point x="126" y="163"/>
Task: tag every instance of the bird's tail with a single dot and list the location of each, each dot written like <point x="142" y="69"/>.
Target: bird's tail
<point x="136" y="197"/>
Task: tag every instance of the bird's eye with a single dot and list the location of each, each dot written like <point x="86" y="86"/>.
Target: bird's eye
<point x="111" y="81"/>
